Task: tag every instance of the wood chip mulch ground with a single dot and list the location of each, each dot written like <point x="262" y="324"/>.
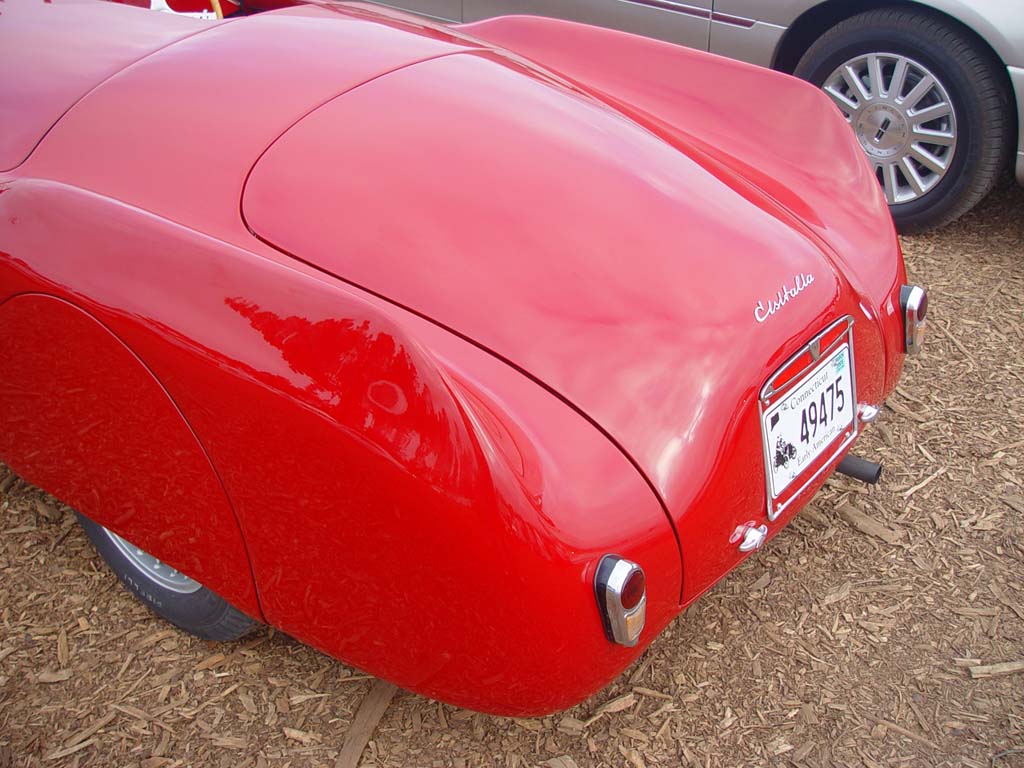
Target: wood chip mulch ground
<point x="885" y="627"/>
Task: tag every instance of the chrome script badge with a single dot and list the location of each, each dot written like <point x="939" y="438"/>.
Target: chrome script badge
<point x="764" y="310"/>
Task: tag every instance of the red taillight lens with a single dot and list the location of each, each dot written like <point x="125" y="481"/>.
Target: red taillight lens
<point x="633" y="590"/>
<point x="621" y="591"/>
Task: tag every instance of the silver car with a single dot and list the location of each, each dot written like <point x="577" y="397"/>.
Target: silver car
<point x="934" y="89"/>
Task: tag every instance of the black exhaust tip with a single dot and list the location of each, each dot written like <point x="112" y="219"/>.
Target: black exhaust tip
<point x="860" y="469"/>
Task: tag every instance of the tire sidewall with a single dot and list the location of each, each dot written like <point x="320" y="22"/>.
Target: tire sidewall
<point x="821" y="61"/>
<point x="199" y="612"/>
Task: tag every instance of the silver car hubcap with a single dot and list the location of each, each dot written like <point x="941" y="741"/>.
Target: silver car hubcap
<point x="902" y="117"/>
<point x="157" y="572"/>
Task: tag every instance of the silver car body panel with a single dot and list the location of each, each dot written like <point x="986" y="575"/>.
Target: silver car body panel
<point x="755" y="44"/>
<point x="999" y="22"/>
<point x="442" y="10"/>
<point x="686" y="23"/>
<point x="1017" y="78"/>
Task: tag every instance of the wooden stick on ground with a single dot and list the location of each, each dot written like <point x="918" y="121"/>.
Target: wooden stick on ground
<point x="995" y="670"/>
<point x="370" y="712"/>
<point x="904" y="732"/>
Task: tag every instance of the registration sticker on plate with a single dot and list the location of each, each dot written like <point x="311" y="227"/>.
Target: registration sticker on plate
<point x="815" y="416"/>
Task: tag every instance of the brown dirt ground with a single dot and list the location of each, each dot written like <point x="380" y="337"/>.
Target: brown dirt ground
<point x="839" y="645"/>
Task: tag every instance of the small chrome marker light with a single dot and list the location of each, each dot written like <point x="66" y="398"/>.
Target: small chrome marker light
<point x="621" y="590"/>
<point x="914" y="303"/>
<point x="867" y="412"/>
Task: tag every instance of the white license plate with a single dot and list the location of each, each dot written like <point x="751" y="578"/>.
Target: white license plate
<point x="802" y="425"/>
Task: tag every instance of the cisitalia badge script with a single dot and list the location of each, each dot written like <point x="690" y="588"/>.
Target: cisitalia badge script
<point x="766" y="309"/>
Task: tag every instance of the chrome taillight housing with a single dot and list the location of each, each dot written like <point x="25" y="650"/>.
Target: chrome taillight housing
<point x="621" y="590"/>
<point x="914" y="304"/>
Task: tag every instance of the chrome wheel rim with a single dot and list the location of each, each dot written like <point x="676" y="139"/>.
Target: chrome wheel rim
<point x="156" y="571"/>
<point x="903" y="118"/>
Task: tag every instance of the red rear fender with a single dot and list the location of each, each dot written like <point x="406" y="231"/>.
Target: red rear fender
<point x="83" y="417"/>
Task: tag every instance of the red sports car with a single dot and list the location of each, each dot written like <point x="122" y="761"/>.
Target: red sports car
<point x="470" y="356"/>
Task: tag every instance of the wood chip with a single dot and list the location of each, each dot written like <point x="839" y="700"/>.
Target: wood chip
<point x="902" y="410"/>
<point x="155" y="638"/>
<point x="165" y="742"/>
<point x="303" y="737"/>
<point x="905" y="732"/>
<point x="997" y="670"/>
<point x="635" y="758"/>
<point x="372" y="709"/>
<point x="617" y="704"/>
<point x="248" y="703"/>
<point x="69" y="750"/>
<point x="302" y="698"/>
<point x="968" y="662"/>
<point x="47" y="512"/>
<point x="562" y="761"/>
<point x="968" y="610"/>
<point x="536" y="726"/>
<point x="63" y="653"/>
<point x="90" y="729"/>
<point x="869" y="525"/>
<point x="956" y="343"/>
<point x="571" y="726"/>
<point x="763" y="581"/>
<point x="1014" y="502"/>
<point x="803" y="751"/>
<point x="812" y="514"/>
<point x="49" y="676"/>
<point x="210" y="662"/>
<point x="914" y="489"/>
<point x="634" y="734"/>
<point x="135" y="712"/>
<point x="837" y="595"/>
<point x="653" y="694"/>
<point x="231" y="742"/>
<point x="808" y="715"/>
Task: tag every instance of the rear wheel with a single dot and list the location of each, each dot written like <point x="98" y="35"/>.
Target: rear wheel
<point x="927" y="104"/>
<point x="169" y="593"/>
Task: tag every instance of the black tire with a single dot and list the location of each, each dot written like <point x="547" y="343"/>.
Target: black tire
<point x="200" y="612"/>
<point x="975" y="86"/>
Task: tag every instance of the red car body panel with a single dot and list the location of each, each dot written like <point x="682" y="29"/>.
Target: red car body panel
<point x="446" y="326"/>
<point x="77" y="397"/>
<point x="59" y="54"/>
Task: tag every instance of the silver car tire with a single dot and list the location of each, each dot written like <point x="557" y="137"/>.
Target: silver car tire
<point x="928" y="104"/>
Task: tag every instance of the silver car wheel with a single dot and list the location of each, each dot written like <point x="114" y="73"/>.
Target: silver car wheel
<point x="158" y="572"/>
<point x="903" y="118"/>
